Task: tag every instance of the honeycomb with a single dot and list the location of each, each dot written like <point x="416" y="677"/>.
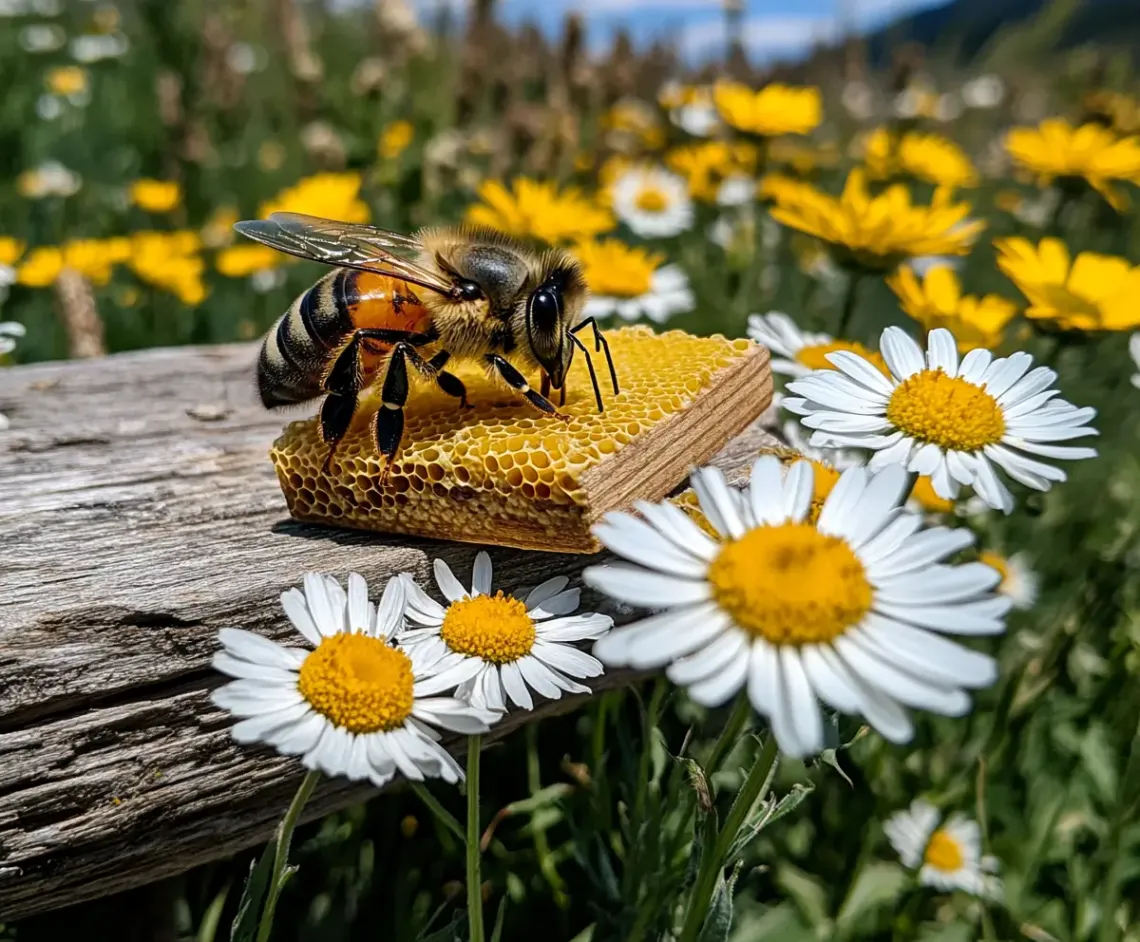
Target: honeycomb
<point x="503" y="473"/>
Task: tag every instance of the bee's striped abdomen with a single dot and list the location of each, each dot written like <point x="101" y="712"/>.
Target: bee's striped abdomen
<point x="296" y="352"/>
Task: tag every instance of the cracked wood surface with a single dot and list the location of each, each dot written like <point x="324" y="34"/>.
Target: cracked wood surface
<point x="139" y="513"/>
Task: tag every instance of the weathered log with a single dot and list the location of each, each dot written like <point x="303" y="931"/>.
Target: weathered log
<point x="139" y="513"/>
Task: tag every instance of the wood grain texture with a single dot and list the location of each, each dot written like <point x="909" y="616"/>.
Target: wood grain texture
<point x="139" y="513"/>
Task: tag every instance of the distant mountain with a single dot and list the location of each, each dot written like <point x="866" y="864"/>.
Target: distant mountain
<point x="968" y="25"/>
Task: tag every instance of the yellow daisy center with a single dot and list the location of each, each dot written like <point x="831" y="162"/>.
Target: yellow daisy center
<point x="928" y="499"/>
<point x="814" y="356"/>
<point x="495" y="628"/>
<point x="946" y="411"/>
<point x="359" y="683"/>
<point x="791" y="584"/>
<point x="998" y="562"/>
<point x="651" y="200"/>
<point x="824" y="476"/>
<point x="943" y="852"/>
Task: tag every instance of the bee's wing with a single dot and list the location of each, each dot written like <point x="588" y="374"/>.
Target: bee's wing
<point x="344" y="244"/>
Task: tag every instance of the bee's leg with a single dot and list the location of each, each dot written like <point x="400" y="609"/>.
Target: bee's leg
<point x="517" y="381"/>
<point x="600" y="344"/>
<point x="388" y="424"/>
<point x="448" y="382"/>
<point x="546" y="387"/>
<point x="342" y="383"/>
<point x="336" y="415"/>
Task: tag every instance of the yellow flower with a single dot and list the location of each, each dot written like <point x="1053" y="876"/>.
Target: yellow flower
<point x="925" y="497"/>
<point x="170" y="261"/>
<point x="67" y="80"/>
<point x="937" y="301"/>
<point x="156" y="196"/>
<point x="1055" y="150"/>
<point x="878" y="232"/>
<point x="776" y="186"/>
<point x="634" y="121"/>
<point x="40" y="267"/>
<point x="395" y="138"/>
<point x="707" y="164"/>
<point x="930" y="157"/>
<point x="10" y="250"/>
<point x="239" y="261"/>
<point x="538" y="210"/>
<point x="774" y="110"/>
<point x="331" y="195"/>
<point x="614" y="269"/>
<point x="1091" y="292"/>
<point x="95" y="259"/>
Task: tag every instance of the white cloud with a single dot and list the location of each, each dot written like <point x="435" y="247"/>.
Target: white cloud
<point x="617" y="7"/>
<point x="763" y="37"/>
<point x="777" y="36"/>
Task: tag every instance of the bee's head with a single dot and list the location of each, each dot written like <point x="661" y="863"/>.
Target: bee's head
<point x="552" y="308"/>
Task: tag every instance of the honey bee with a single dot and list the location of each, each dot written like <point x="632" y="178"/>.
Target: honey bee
<point x="452" y="292"/>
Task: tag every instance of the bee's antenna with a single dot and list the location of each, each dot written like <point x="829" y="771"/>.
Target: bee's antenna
<point x="600" y="344"/>
<point x="590" y="365"/>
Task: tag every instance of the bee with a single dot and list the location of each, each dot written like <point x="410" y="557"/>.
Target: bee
<point x="459" y="292"/>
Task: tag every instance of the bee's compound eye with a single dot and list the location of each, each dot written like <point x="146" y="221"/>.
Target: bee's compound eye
<point x="545" y="307"/>
<point x="469" y="291"/>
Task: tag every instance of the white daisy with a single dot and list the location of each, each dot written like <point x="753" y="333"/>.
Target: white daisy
<point x="948" y="857"/>
<point x="669" y="294"/>
<point x="838" y="458"/>
<point x="1134" y="351"/>
<point x="851" y="609"/>
<point x="736" y="191"/>
<point x="797" y="352"/>
<point x="352" y="706"/>
<point x="950" y="419"/>
<point x="698" y="118"/>
<point x="652" y="201"/>
<point x="1018" y="580"/>
<point x="495" y="647"/>
<point x="9" y="332"/>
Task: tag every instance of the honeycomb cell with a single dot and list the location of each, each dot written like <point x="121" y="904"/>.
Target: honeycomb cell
<point x="502" y="473"/>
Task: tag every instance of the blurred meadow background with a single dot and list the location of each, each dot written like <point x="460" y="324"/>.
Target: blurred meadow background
<point x="134" y="133"/>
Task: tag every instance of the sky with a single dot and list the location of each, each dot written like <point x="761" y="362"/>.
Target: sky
<point x="773" y="29"/>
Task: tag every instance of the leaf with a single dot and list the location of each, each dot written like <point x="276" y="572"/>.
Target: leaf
<point x="244" y="927"/>
<point x="500" y="917"/>
<point x="780" y="923"/>
<point x="1100" y="758"/>
<point x="790" y="802"/>
<point x="767" y="813"/>
<point x="718" y="922"/>
<point x="806" y="892"/>
<point x="945" y="932"/>
<point x="878" y="884"/>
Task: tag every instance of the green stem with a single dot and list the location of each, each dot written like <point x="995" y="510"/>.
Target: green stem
<point x="474" y="880"/>
<point x="446" y="818"/>
<point x="281" y="853"/>
<point x="712" y="864"/>
<point x="853" y="281"/>
<point x="729" y="735"/>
